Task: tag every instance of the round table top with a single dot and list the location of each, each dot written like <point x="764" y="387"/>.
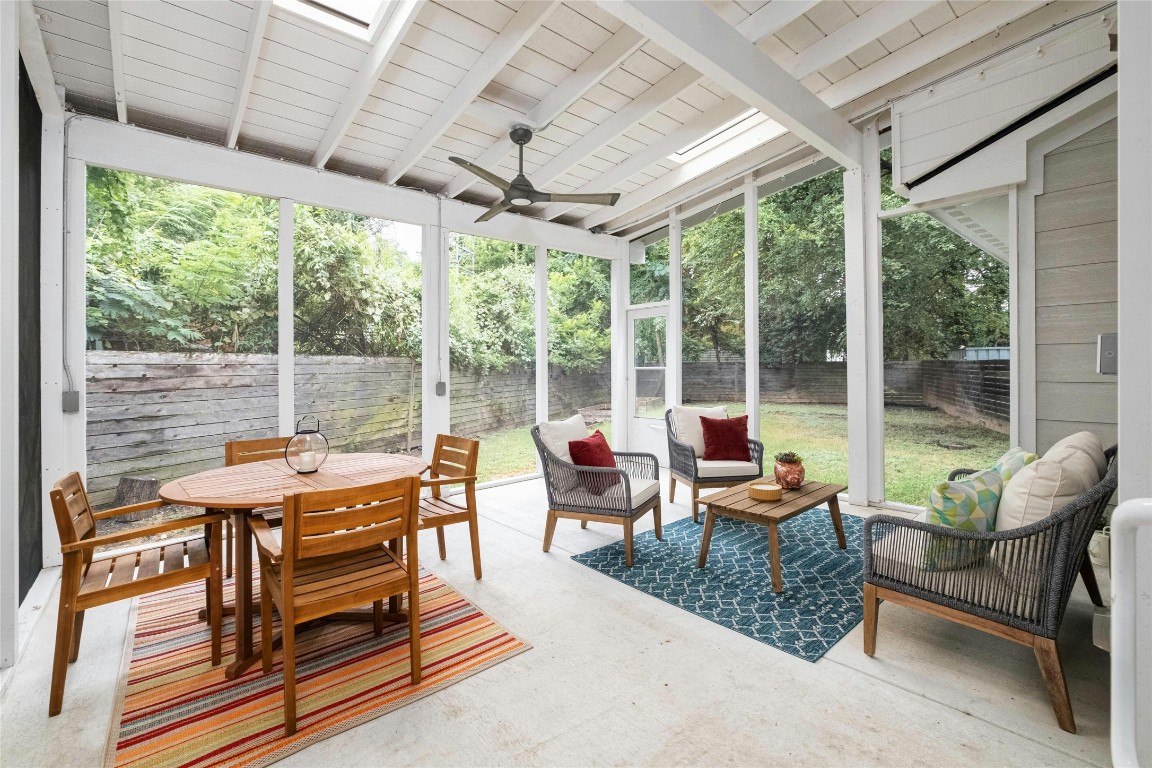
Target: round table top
<point x="264" y="483"/>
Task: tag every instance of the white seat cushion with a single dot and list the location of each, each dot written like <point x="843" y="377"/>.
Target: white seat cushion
<point x="557" y="434"/>
<point x="642" y="490"/>
<point x="686" y="422"/>
<point x="1068" y="469"/>
<point x="706" y="469"/>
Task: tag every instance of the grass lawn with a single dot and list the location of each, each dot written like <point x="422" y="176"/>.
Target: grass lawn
<point x="921" y="446"/>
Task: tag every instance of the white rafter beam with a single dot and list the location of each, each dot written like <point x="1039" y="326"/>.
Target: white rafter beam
<point x="385" y="47"/>
<point x="605" y="59"/>
<point x="116" y="45"/>
<point x="497" y="115"/>
<point x="36" y="61"/>
<point x="248" y="68"/>
<point x="773" y="16"/>
<point x="514" y="35"/>
<point x="746" y="145"/>
<point x="694" y="33"/>
<point x="867" y="27"/>
<point x="920" y="53"/>
<point x="672" y="142"/>
<point x="636" y="110"/>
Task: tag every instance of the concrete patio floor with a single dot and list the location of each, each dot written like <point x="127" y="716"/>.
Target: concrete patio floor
<point x="619" y="678"/>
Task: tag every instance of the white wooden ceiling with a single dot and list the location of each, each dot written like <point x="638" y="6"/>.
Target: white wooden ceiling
<point x="450" y="77"/>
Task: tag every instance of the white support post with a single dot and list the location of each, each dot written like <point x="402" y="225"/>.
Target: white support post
<point x="56" y="453"/>
<point x="63" y="332"/>
<point x="870" y="165"/>
<point x="621" y="277"/>
<point x="1131" y="736"/>
<point x="752" y="307"/>
<point x="541" y="338"/>
<point x="285" y="324"/>
<point x="864" y="318"/>
<point x="10" y="331"/>
<point x="1014" y="318"/>
<point x="674" y="359"/>
<point x="436" y="409"/>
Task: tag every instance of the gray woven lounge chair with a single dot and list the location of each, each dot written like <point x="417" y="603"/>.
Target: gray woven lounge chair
<point x="569" y="495"/>
<point x="682" y="466"/>
<point x="1014" y="584"/>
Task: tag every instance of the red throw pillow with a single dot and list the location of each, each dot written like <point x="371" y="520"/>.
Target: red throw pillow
<point x="594" y="451"/>
<point x="726" y="439"/>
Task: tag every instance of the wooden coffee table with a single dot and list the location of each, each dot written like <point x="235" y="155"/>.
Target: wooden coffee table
<point x="735" y="503"/>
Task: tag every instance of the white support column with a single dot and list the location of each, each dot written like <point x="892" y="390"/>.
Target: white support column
<point x="285" y="324"/>
<point x="864" y="315"/>
<point x="9" y="330"/>
<point x="541" y="338"/>
<point x="436" y="410"/>
<point x="54" y="448"/>
<point x="752" y="307"/>
<point x="674" y="359"/>
<point x="1134" y="383"/>
<point x="1014" y="318"/>
<point x="621" y="277"/>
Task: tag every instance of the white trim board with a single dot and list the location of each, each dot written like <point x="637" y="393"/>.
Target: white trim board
<point x="105" y="143"/>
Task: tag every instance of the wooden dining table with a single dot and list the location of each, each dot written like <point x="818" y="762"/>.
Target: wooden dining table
<point x="243" y="488"/>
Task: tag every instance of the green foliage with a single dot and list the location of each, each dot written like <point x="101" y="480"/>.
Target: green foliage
<point x="789" y="457"/>
<point x="176" y="267"/>
<point x="355" y="292"/>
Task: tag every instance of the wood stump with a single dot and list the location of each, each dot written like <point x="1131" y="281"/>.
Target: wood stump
<point x="133" y="490"/>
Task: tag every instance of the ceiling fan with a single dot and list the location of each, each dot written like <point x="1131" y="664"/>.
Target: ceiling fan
<point x="520" y="192"/>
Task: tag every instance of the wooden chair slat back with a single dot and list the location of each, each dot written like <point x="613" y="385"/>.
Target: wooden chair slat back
<point x="73" y="512"/>
<point x="455" y="456"/>
<point x="251" y="451"/>
<point x="318" y="523"/>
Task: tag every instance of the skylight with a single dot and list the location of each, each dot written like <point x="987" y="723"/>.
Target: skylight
<point x="359" y="18"/>
<point x="738" y="124"/>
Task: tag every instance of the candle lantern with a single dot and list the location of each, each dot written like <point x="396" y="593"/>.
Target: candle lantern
<point x="308" y="448"/>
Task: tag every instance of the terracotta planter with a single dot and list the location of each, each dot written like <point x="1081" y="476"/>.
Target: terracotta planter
<point x="789" y="476"/>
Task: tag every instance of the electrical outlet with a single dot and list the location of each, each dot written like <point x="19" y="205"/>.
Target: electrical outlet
<point x="441" y="388"/>
<point x="70" y="401"/>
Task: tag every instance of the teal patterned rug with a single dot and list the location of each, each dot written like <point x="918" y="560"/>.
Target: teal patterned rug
<point x="821" y="601"/>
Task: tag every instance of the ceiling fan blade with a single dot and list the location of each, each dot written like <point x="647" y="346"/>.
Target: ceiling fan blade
<point x="494" y="211"/>
<point x="488" y="176"/>
<point x="605" y="198"/>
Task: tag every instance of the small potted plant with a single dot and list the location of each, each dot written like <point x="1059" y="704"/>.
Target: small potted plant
<point x="789" y="470"/>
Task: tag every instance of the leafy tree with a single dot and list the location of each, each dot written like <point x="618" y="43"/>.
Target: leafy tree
<point x="579" y="311"/>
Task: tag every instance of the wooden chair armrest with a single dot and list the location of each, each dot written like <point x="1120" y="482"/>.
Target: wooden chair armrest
<point x="139" y="533"/>
<point x="154" y="504"/>
<point x="265" y="540"/>
<point x="440" y="481"/>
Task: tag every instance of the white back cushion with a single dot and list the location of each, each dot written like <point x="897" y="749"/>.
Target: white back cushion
<point x="556" y="434"/>
<point x="686" y="422"/>
<point x="1067" y="470"/>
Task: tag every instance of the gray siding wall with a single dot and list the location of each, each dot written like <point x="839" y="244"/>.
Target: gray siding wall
<point x="1076" y="287"/>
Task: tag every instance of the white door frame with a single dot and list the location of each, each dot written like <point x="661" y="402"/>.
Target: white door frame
<point x="639" y="438"/>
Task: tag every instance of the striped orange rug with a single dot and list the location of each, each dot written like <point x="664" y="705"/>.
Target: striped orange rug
<point x="178" y="710"/>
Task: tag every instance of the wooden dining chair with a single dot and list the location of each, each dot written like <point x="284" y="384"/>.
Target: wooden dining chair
<point x="88" y="581"/>
<point x="337" y="554"/>
<point x="453" y="463"/>
<point x="248" y="452"/>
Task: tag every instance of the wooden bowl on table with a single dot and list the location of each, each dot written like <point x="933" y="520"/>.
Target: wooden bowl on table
<point x="765" y="491"/>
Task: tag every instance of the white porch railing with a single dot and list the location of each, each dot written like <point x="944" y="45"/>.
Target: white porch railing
<point x="1129" y="611"/>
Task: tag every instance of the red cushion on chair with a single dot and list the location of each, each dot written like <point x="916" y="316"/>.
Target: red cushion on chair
<point x="726" y="439"/>
<point x="594" y="451"/>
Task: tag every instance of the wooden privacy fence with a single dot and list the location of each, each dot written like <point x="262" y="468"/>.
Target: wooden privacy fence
<point x="167" y="415"/>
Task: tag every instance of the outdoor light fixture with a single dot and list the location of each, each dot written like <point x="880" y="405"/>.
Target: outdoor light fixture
<point x="308" y="449"/>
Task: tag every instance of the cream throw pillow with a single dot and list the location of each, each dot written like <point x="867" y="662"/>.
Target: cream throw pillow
<point x="556" y="434"/>
<point x="686" y="422"/>
<point x="1068" y="469"/>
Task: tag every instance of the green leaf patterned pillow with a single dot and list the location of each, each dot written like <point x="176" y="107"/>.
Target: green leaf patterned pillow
<point x="968" y="504"/>
<point x="1012" y="462"/>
